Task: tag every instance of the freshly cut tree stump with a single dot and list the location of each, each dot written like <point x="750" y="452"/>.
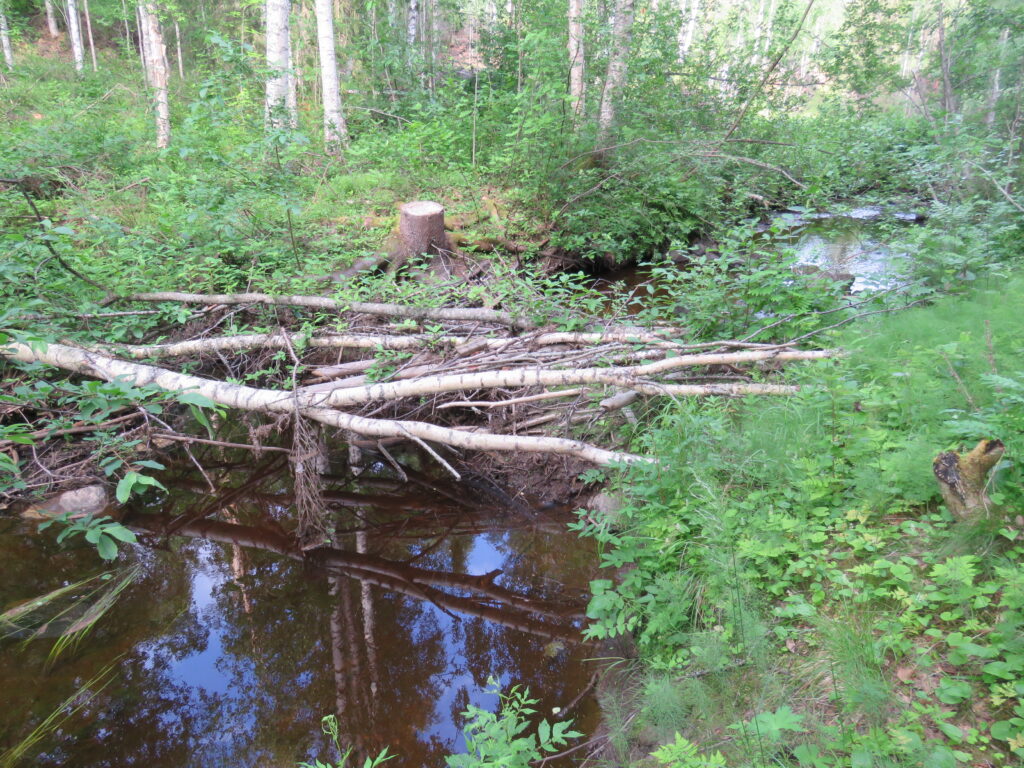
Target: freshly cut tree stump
<point x="421" y="229"/>
<point x="962" y="479"/>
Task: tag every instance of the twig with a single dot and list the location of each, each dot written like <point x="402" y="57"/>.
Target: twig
<point x="220" y="443"/>
<point x="49" y="245"/>
<point x="433" y="453"/>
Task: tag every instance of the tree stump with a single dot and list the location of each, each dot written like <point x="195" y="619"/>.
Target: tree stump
<point x="421" y="228"/>
<point x="962" y="479"/>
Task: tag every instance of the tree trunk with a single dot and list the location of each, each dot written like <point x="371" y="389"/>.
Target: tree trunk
<point x="292" y="96"/>
<point x="335" y="129"/>
<point x="421" y="229"/>
<point x="622" y="33"/>
<point x="691" y="27"/>
<point x="75" y="33"/>
<point x="88" y="31"/>
<point x="177" y="44"/>
<point x="157" y="71"/>
<point x="947" y="82"/>
<point x="994" y="93"/>
<point x="278" y="49"/>
<point x="962" y="479"/>
<point x="577" y="61"/>
<point x="51" y="19"/>
<point x="412" y="25"/>
<point x="5" y="41"/>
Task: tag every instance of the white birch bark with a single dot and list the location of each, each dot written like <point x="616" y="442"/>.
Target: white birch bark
<point x="291" y="99"/>
<point x="157" y="71"/>
<point x="278" y="49"/>
<point x="412" y="24"/>
<point x="691" y="27"/>
<point x="177" y="44"/>
<point x="88" y="30"/>
<point x="335" y="129"/>
<point x="996" y="90"/>
<point x="577" y="61"/>
<point x="615" y="79"/>
<point x="51" y="19"/>
<point x="75" y="33"/>
<point x="5" y="41"/>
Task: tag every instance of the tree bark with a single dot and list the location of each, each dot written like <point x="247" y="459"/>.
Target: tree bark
<point x="278" y="49"/>
<point x="88" y="31"/>
<point x="335" y="128"/>
<point x="412" y="26"/>
<point x="577" y="62"/>
<point x="948" y="106"/>
<point x="275" y="401"/>
<point x="421" y="229"/>
<point x="996" y="90"/>
<point x="5" y="41"/>
<point x="962" y="479"/>
<point x="51" y="19"/>
<point x="455" y="314"/>
<point x="615" y="79"/>
<point x="177" y="45"/>
<point x="75" y="33"/>
<point x="157" y="71"/>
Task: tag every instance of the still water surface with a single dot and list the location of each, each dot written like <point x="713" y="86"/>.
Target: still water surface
<point x="234" y="642"/>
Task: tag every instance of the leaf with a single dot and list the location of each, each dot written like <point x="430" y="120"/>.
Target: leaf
<point x="107" y="548"/>
<point x="124" y="487"/>
<point x="120" y="533"/>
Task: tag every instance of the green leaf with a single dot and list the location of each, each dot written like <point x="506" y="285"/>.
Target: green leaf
<point x="124" y="487"/>
<point x="107" y="548"/>
<point x="120" y="533"/>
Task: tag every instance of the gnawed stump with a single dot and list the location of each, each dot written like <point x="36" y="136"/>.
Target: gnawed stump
<point x="962" y="478"/>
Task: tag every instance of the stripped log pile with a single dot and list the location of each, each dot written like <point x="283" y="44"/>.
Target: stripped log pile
<point x="474" y="379"/>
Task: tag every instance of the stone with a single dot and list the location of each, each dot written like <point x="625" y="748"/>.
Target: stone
<point x="90" y="500"/>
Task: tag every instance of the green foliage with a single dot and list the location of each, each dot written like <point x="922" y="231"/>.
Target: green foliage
<point x="329" y="725"/>
<point x="102" y="532"/>
<point x="500" y="739"/>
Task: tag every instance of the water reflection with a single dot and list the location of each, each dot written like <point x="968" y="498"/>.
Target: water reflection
<point x="236" y="641"/>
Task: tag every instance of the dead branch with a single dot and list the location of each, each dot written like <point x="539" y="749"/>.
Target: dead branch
<point x="458" y="314"/>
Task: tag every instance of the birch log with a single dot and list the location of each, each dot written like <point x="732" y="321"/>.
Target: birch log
<point x="75" y="33"/>
<point x="102" y="366"/>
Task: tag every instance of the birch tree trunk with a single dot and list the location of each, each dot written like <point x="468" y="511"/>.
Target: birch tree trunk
<point x="335" y="129"/>
<point x="291" y="96"/>
<point x="75" y="33"/>
<point x="691" y="28"/>
<point x="995" y="92"/>
<point x="177" y="44"/>
<point x="278" y="53"/>
<point x="412" y="25"/>
<point x="622" y="34"/>
<point x="577" y="61"/>
<point x="5" y="40"/>
<point x="51" y="19"/>
<point x="157" y="71"/>
<point x="88" y="30"/>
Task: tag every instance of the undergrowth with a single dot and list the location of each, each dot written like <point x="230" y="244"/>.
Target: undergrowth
<point x="796" y="592"/>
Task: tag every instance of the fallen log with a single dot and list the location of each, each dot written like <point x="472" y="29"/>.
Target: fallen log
<point x="626" y="377"/>
<point x="102" y="366"/>
<point x="457" y="314"/>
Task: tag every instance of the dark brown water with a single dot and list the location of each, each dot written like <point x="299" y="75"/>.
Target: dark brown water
<point x="233" y="643"/>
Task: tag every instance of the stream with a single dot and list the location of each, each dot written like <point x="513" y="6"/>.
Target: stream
<point x="851" y="246"/>
<point x="233" y="643"/>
